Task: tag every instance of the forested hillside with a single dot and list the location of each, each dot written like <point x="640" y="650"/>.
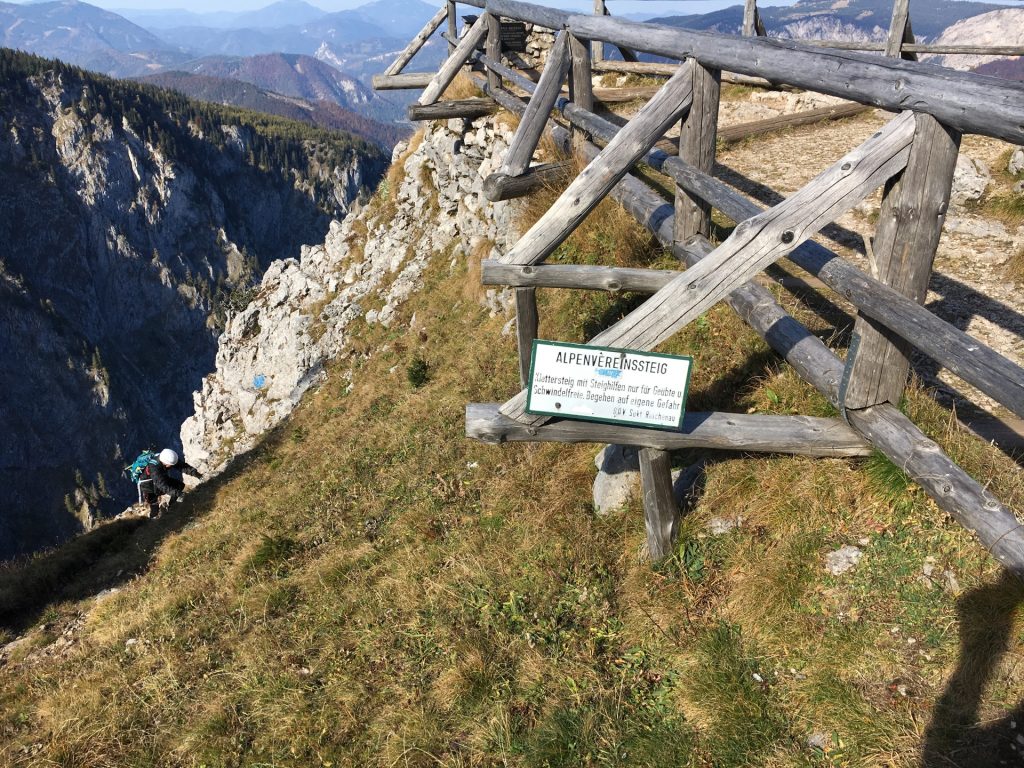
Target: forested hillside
<point x="323" y="113"/>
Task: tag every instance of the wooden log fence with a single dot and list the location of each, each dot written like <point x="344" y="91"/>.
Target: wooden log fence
<point x="912" y="156"/>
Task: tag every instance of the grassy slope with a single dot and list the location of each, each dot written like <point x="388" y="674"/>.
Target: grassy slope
<point x="370" y="588"/>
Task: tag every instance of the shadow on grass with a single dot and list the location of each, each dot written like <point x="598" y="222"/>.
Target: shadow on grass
<point x="955" y="736"/>
<point x="106" y="557"/>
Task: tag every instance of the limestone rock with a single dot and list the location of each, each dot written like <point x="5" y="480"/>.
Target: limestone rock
<point x="970" y="180"/>
<point x="617" y="478"/>
<point x="1016" y="164"/>
<point x="272" y="352"/>
<point x="842" y="560"/>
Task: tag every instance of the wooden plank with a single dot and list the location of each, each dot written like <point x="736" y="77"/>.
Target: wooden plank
<point x="493" y="48"/>
<point x="498" y="186"/>
<point x="661" y="512"/>
<point x="527" y="321"/>
<point x="597" y="47"/>
<point x="531" y="126"/>
<point x="697" y="141"/>
<point x="986" y="369"/>
<point x="404" y="81"/>
<point x="587" y="189"/>
<point x="417" y="42"/>
<point x="444" y="110"/>
<point x="800" y="435"/>
<point x="966" y="101"/>
<point x="734" y="133"/>
<point x="899" y="31"/>
<point x="451" y="66"/>
<point x="909" y="226"/>
<point x="953" y="490"/>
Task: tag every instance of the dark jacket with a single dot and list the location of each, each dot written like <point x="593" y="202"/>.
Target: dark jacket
<point x="165" y="483"/>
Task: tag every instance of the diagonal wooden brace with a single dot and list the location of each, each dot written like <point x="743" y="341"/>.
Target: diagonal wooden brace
<point x="754" y="245"/>
<point x="614" y="162"/>
<point x="451" y="67"/>
<point x="533" y="122"/>
<point x="417" y="42"/>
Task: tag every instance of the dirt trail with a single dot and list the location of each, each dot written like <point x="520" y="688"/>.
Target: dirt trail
<point x="969" y="287"/>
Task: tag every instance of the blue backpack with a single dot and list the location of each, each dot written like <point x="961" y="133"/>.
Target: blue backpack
<point x="139" y="470"/>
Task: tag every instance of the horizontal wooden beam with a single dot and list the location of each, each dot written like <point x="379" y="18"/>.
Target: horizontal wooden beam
<point x="635" y="67"/>
<point x="500" y="186"/>
<point x="734" y="133"/>
<point x="582" y="276"/>
<point x="444" y="110"/>
<point x="801" y="435"/>
<point x="975" y="50"/>
<point x="969" y="102"/>
<point x="543" y="16"/>
<point x="406" y="81"/>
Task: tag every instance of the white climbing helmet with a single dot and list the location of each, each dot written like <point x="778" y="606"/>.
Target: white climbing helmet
<point x="168" y="457"/>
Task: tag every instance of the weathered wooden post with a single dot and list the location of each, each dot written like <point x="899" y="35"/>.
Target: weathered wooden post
<point x="909" y="226"/>
<point x="900" y="32"/>
<point x="453" y="27"/>
<point x="752" y="24"/>
<point x="597" y="47"/>
<point x="534" y="120"/>
<point x="493" y="49"/>
<point x="661" y="513"/>
<point x="581" y="84"/>
<point x="697" y="138"/>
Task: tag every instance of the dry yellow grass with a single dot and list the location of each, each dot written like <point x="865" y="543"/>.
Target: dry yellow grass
<point x="367" y="587"/>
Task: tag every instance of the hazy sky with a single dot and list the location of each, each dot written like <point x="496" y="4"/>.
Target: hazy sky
<point x="651" y="7"/>
<point x="654" y="7"/>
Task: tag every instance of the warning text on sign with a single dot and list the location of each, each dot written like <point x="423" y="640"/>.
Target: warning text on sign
<point x="602" y="384"/>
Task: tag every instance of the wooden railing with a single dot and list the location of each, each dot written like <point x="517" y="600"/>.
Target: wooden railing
<point x="912" y="158"/>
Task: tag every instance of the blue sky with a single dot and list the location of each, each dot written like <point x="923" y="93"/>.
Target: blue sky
<point x="651" y="7"/>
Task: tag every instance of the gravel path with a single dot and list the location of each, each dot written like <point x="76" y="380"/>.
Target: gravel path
<point x="969" y="287"/>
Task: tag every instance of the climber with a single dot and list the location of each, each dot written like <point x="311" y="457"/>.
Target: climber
<point x="164" y="484"/>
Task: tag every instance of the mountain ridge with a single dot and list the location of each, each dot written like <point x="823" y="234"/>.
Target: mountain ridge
<point x="138" y="215"/>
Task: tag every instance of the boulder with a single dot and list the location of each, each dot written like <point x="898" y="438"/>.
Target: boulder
<point x="970" y="180"/>
<point x="1016" y="164"/>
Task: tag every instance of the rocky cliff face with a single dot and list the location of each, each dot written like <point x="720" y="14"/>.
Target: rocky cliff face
<point x="124" y="232"/>
<point x="275" y="349"/>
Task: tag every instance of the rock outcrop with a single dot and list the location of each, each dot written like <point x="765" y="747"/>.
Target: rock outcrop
<point x="275" y="349"/>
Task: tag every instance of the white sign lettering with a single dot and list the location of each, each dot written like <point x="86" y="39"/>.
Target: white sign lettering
<point x="602" y="384"/>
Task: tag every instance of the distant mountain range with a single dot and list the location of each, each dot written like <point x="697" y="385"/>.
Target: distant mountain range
<point x="846" y="19"/>
<point x="85" y="35"/>
<point x="323" y="113"/>
<point x="90" y="37"/>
